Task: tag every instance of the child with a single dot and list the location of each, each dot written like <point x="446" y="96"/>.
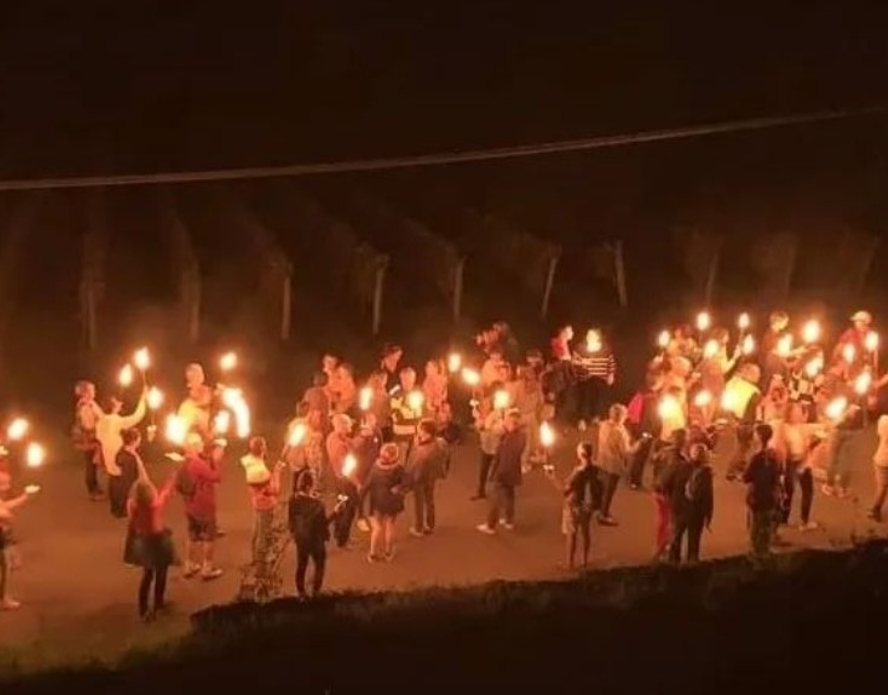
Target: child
<point x="310" y="529"/>
<point x="582" y="496"/>
<point x="7" y="507"/>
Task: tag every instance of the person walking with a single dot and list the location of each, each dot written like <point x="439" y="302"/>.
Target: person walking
<point x="692" y="503"/>
<point x="309" y="526"/>
<point x="428" y="462"/>
<point x="614" y="452"/>
<point x="582" y="496"/>
<point x="83" y="433"/>
<point x="794" y="441"/>
<point x="491" y="427"/>
<point x="152" y="542"/>
<point x="386" y="486"/>
<point x="672" y="457"/>
<point x="505" y="475"/>
<point x="764" y="487"/>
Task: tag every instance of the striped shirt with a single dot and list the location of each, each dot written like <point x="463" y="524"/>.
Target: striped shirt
<point x="601" y="365"/>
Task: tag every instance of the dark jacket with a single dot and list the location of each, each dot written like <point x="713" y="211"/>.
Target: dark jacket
<point x="506" y="468"/>
<point x="308" y="521"/>
<point x="428" y="461"/>
<point x="763" y="480"/>
<point x="583" y="488"/>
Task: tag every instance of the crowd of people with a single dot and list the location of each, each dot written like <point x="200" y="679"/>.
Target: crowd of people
<point x="357" y="451"/>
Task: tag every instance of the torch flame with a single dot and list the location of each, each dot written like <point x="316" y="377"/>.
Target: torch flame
<point x="704" y="321"/>
<point x="784" y="346"/>
<point x="710" y="350"/>
<point x="836" y="408"/>
<point x="142" y="359"/>
<point x="17" y="429"/>
<point x="415" y="401"/>
<point x="176" y="429"/>
<point x="814" y="367"/>
<point x="228" y="361"/>
<point x="863" y="383"/>
<point x="743" y="321"/>
<point x="702" y="399"/>
<point x="729" y="401"/>
<point x="663" y="339"/>
<point x="297" y="434"/>
<point x="35" y="455"/>
<point x="501" y="399"/>
<point x="593" y="341"/>
<point x="471" y="376"/>
<point x="454" y="362"/>
<point x="547" y="435"/>
<point x="748" y="345"/>
<point x="154" y="398"/>
<point x="871" y="342"/>
<point x="222" y="422"/>
<point x="811" y="331"/>
<point x="349" y="465"/>
<point x="125" y="377"/>
<point x="365" y="398"/>
<point x="849" y="353"/>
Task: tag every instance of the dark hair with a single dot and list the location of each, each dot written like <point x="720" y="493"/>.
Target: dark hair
<point x="257" y="446"/>
<point x="764" y="432"/>
<point x="429" y="427"/>
<point x="320" y="379"/>
<point x="130" y="436"/>
<point x="302" y="409"/>
<point x="305" y="481"/>
<point x="585" y="451"/>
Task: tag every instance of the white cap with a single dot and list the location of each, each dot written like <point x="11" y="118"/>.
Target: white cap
<point x="862" y="317"/>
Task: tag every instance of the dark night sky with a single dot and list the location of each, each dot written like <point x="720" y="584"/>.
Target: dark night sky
<point x="153" y="85"/>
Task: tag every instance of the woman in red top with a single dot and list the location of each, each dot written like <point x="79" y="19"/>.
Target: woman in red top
<point x="153" y="547"/>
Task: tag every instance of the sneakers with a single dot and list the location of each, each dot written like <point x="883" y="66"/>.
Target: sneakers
<point x="363" y="525"/>
<point x="190" y="570"/>
<point x="507" y="525"/>
<point x="484" y="528"/>
<point x="828" y="490"/>
<point x="415" y="532"/>
<point x="373" y="559"/>
<point x="581" y="425"/>
<point x="607" y="520"/>
<point x="810" y="526"/>
<point x="9" y="604"/>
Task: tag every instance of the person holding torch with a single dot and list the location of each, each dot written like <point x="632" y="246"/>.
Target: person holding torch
<point x="7" y="512"/>
<point x="83" y="434"/>
<point x="109" y="432"/>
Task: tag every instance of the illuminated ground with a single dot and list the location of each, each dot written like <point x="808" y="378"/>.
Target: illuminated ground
<point x="79" y="600"/>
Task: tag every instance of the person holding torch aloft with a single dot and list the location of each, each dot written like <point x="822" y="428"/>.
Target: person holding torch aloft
<point x="109" y="432"/>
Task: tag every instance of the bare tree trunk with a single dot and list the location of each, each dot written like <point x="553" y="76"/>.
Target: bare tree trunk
<point x="458" y="279"/>
<point x="378" y="286"/>
<point x="550" y="282"/>
<point x="287" y="306"/>
<point x="620" y="274"/>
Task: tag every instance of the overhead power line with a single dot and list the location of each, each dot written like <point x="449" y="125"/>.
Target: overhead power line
<point x="436" y="159"/>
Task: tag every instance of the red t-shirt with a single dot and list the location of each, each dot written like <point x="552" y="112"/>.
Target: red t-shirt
<point x="560" y="349"/>
<point x="202" y="504"/>
<point x="145" y="521"/>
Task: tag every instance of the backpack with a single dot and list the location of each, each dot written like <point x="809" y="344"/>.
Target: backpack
<point x="695" y="488"/>
<point x="185" y="483"/>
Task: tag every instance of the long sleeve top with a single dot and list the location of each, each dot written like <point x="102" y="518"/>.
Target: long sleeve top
<point x="109" y="430"/>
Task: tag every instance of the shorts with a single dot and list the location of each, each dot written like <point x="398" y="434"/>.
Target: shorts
<point x="573" y="518"/>
<point x="201" y="530"/>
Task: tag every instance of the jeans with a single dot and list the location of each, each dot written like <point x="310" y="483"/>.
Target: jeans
<point x="805" y="479"/>
<point x="342" y="525"/>
<point x="664" y="522"/>
<point x="502" y="505"/>
<point x="318" y="555"/>
<point x="689" y="523"/>
<point x="118" y="491"/>
<point x="837" y="473"/>
<point x="881" y="474"/>
<point x="591" y="395"/>
<point x="484" y="473"/>
<point x="639" y="461"/>
<point x="4" y="573"/>
<point x="611" y="482"/>
<point x="424" y="505"/>
<point x="91" y="472"/>
<point x="157" y="576"/>
<point x="761" y="526"/>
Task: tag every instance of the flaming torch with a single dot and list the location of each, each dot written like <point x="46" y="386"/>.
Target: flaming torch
<point x="365" y="398"/>
<point x="747" y="345"/>
<point x="836" y="408"/>
<point x="501" y="399"/>
<point x="35" y="455"/>
<point x="663" y="340"/>
<point x="349" y="465"/>
<point x="176" y="429"/>
<point x="871" y="343"/>
<point x="228" y="362"/>
<point x="17" y="429"/>
<point x="454" y="362"/>
<point x="811" y="332"/>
